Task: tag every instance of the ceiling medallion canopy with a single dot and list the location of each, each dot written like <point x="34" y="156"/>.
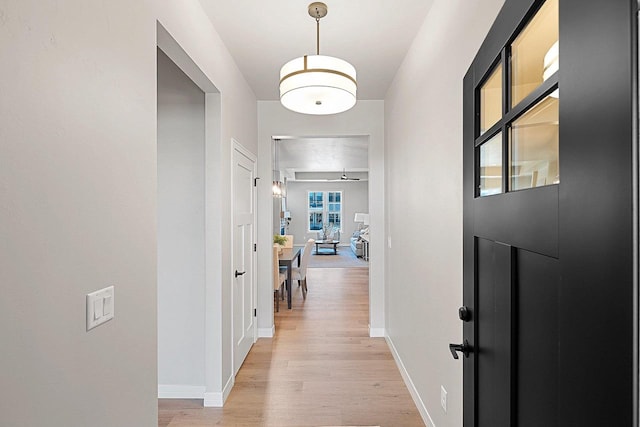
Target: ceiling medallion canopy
<point x="318" y="84"/>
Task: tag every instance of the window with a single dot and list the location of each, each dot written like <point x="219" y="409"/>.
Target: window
<point x="517" y="130"/>
<point x="324" y="207"/>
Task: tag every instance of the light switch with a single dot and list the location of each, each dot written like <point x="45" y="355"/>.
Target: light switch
<point x="107" y="305"/>
<point x="100" y="307"/>
<point x="97" y="308"/>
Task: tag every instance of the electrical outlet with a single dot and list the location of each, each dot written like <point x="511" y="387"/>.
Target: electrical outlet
<point x="443" y="398"/>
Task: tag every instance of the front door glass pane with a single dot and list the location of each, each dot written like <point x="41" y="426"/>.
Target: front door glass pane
<point x="534" y="53"/>
<point x="533" y="145"/>
<point x="491" y="166"/>
<point x="491" y="100"/>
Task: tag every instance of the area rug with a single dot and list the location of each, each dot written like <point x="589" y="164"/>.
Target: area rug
<point x="344" y="259"/>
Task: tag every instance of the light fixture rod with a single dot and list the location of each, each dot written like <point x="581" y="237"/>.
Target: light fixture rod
<point x="317" y="36"/>
<point x="318" y="10"/>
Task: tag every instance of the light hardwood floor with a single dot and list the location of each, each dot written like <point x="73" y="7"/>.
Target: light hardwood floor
<point x="321" y="369"/>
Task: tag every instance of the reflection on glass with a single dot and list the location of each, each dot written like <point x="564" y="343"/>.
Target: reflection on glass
<point x="491" y="100"/>
<point x="533" y="145"/>
<point x="491" y="166"/>
<point x="534" y="53"/>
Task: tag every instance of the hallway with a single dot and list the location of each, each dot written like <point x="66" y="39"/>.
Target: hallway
<point x="321" y="369"/>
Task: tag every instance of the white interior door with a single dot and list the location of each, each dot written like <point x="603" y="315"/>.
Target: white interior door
<point x="244" y="283"/>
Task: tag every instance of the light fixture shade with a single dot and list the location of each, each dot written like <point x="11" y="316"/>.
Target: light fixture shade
<point x="318" y="84"/>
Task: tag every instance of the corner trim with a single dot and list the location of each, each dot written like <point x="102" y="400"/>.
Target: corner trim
<point x="409" y="383"/>
<point x="217" y="399"/>
<point x="179" y="391"/>
<point x="377" y="332"/>
<point x="267" y="332"/>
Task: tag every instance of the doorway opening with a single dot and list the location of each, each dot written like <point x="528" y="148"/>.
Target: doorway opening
<point x="181" y="237"/>
<point x="321" y="192"/>
<point x="189" y="271"/>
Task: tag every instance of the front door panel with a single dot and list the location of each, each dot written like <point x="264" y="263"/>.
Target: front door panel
<point x="537" y="289"/>
<point x="551" y="218"/>
<point x="493" y="341"/>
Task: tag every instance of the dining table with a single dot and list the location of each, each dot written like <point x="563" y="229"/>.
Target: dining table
<point x="286" y="259"/>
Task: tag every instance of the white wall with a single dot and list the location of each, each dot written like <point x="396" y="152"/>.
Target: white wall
<point x="355" y="196"/>
<point x="423" y="124"/>
<point x="78" y="205"/>
<point x="365" y="119"/>
<point x="181" y="229"/>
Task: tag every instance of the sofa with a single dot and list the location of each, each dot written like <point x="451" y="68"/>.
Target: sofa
<point x="356" y="244"/>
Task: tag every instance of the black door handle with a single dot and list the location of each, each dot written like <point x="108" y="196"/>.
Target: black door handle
<point x="464" y="314"/>
<point x="464" y="348"/>
<point x="240" y="273"/>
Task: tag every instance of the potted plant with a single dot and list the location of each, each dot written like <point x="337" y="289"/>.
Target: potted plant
<point x="280" y="241"/>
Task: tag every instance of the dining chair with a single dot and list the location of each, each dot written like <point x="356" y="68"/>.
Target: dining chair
<point x="289" y="243"/>
<point x="278" y="278"/>
<point x="300" y="273"/>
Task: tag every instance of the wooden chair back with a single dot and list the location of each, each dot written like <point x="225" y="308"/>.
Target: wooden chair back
<point x="289" y="243"/>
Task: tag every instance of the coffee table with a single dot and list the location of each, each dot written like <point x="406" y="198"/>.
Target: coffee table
<point x="328" y="250"/>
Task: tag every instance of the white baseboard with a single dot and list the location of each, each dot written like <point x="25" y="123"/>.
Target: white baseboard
<point x="409" y="383"/>
<point x="173" y="391"/>
<point x="213" y="400"/>
<point x="377" y="332"/>
<point x="267" y="332"/>
<point x="216" y="399"/>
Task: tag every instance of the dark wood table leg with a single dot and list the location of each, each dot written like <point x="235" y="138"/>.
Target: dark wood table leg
<point x="289" y="266"/>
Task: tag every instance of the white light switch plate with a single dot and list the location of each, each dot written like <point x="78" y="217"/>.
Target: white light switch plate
<point x="100" y="307"/>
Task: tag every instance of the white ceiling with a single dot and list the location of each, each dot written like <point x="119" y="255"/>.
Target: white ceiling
<point x="324" y="155"/>
<point x="373" y="35"/>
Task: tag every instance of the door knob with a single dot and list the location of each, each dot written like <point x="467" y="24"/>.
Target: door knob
<point x="464" y="348"/>
<point x="240" y="273"/>
<point x="464" y="314"/>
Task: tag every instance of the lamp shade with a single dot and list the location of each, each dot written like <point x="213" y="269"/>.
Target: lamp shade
<point x="318" y="84"/>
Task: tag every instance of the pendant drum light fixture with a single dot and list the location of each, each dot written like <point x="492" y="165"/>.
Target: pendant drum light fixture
<point x="318" y="84"/>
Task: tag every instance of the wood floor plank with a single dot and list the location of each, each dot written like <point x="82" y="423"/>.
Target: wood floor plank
<point x="321" y="369"/>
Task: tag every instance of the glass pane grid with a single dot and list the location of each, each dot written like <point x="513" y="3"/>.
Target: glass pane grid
<point x="534" y="146"/>
<point x="532" y="139"/>
<point x="321" y="213"/>
<point x="534" y="53"/>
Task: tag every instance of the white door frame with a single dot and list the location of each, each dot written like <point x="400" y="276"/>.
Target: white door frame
<point x="365" y="119"/>
<point x="217" y="387"/>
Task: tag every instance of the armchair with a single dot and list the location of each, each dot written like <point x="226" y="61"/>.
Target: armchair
<point x="356" y="244"/>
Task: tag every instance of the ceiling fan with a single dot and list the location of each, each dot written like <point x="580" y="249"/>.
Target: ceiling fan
<point x="344" y="177"/>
